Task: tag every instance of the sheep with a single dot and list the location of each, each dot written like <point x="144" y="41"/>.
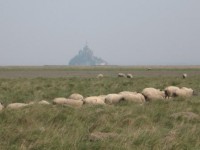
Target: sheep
<point x="95" y="100"/>
<point x="184" y="75"/>
<point x="99" y="76"/>
<point x="44" y="102"/>
<point x="121" y="75"/>
<point x="1" y="106"/>
<point x="60" y="101"/>
<point x="153" y="94"/>
<point x="170" y="91"/>
<point x="76" y="96"/>
<point x="148" y="69"/>
<point x="184" y="92"/>
<point x="133" y="97"/>
<point x="113" y="98"/>
<point x="127" y="92"/>
<point x="68" y="102"/>
<point x="129" y="75"/>
<point x="16" y="105"/>
<point x="74" y="103"/>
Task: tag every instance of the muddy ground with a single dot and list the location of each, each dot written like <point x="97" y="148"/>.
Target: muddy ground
<point x="54" y="72"/>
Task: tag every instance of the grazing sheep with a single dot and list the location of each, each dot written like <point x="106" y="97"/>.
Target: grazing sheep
<point x="129" y="75"/>
<point x="96" y="100"/>
<point x="1" y="106"/>
<point x="68" y="102"/>
<point x="170" y="91"/>
<point x="76" y="96"/>
<point x="16" y="105"/>
<point x="184" y="92"/>
<point x="184" y="75"/>
<point x="133" y="97"/>
<point x="153" y="94"/>
<point x="121" y="75"/>
<point x="99" y="76"/>
<point x="113" y="98"/>
<point x="44" y="102"/>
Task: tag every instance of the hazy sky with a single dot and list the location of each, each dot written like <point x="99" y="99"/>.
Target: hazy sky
<point x="123" y="32"/>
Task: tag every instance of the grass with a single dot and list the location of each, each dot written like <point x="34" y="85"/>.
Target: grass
<point x="148" y="126"/>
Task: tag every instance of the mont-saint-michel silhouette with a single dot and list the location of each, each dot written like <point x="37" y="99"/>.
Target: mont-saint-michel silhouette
<point x="85" y="57"/>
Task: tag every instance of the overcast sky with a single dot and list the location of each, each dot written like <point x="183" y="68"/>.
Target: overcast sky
<point x="123" y="32"/>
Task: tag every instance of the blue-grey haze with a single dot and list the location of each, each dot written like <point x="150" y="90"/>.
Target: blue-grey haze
<point x="123" y="32"/>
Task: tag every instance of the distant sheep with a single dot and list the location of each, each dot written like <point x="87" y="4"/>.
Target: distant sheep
<point x="121" y="75"/>
<point x="149" y="69"/>
<point x="113" y="98"/>
<point x="170" y="91"/>
<point x="133" y="97"/>
<point x="1" y="106"/>
<point x="129" y="75"/>
<point x="184" y="92"/>
<point x="68" y="102"/>
<point x="99" y="76"/>
<point x="153" y="94"/>
<point x="16" y="105"/>
<point x="76" y="96"/>
<point x="95" y="100"/>
<point x="184" y="75"/>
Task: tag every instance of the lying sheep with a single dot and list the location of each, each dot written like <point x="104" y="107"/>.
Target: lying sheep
<point x="121" y="75"/>
<point x="16" y="105"/>
<point x="68" y="102"/>
<point x="76" y="96"/>
<point x="60" y="101"/>
<point x="129" y="75"/>
<point x="44" y="102"/>
<point x="1" y="106"/>
<point x="113" y="98"/>
<point x="96" y="100"/>
<point x="184" y="92"/>
<point x="153" y="94"/>
<point x="99" y="76"/>
<point x="127" y="92"/>
<point x="133" y="97"/>
<point x="184" y="75"/>
<point x="170" y="91"/>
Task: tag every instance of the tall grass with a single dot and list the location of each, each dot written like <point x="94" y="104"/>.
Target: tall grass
<point x="148" y="126"/>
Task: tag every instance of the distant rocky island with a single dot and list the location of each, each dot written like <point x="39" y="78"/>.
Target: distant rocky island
<point x="85" y="57"/>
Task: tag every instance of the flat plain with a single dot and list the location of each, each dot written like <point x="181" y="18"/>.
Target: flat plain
<point x="163" y="124"/>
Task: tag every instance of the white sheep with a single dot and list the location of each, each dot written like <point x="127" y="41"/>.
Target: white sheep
<point x="184" y="75"/>
<point x="76" y="96"/>
<point x="113" y="98"/>
<point x="127" y="92"/>
<point x="121" y="75"/>
<point x="99" y="76"/>
<point x="170" y="91"/>
<point x="133" y="97"/>
<point x="129" y="75"/>
<point x="184" y="92"/>
<point x="153" y="94"/>
<point x="16" y="105"/>
<point x="44" y="102"/>
<point x="96" y="100"/>
<point x="68" y="102"/>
